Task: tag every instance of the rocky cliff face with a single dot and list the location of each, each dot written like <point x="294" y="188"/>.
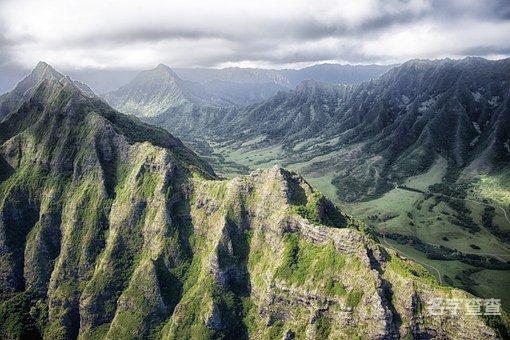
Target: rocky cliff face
<point x="110" y="228"/>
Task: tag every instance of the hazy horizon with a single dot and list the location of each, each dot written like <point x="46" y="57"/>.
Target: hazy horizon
<point x="119" y="39"/>
<point x="103" y="80"/>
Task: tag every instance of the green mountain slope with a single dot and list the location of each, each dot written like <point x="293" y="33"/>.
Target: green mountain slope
<point x="110" y="228"/>
<point x="383" y="131"/>
<point x="155" y="91"/>
<point x="421" y="154"/>
<point x="160" y="95"/>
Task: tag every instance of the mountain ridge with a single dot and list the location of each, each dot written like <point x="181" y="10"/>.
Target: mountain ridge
<point x="111" y="228"/>
<point x="408" y="109"/>
<point x="42" y="72"/>
<point x="289" y="78"/>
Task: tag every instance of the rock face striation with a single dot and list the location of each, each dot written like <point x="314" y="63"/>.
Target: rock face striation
<point x="111" y="228"/>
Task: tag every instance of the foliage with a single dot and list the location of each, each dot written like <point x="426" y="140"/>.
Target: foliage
<point x="22" y="316"/>
<point x="323" y="325"/>
<point x="446" y="254"/>
<point x="320" y="211"/>
<point x="315" y="265"/>
<point x="410" y="269"/>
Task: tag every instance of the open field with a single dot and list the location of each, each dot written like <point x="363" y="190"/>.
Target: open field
<point x="495" y="188"/>
<point x="412" y="213"/>
<point x="484" y="283"/>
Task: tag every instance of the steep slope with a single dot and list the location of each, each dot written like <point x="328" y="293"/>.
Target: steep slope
<point x="24" y="89"/>
<point x="288" y="116"/>
<point x="156" y="91"/>
<point x="110" y="228"/>
<point x="399" y="123"/>
<point x="457" y="110"/>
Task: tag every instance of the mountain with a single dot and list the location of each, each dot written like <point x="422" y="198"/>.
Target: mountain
<point x="24" y="90"/>
<point x="111" y="228"/>
<point x="287" y="78"/>
<point x="105" y="81"/>
<point x="242" y="93"/>
<point x="156" y="91"/>
<point x="336" y="73"/>
<point x="399" y="123"/>
<point x="421" y="154"/>
<point x="237" y="75"/>
<point x="160" y="96"/>
<point x="289" y="116"/>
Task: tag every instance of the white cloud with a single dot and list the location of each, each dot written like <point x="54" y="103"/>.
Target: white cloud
<point x="135" y="34"/>
<point x="433" y="40"/>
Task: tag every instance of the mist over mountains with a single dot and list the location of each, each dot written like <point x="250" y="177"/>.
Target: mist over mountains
<point x="107" y="80"/>
<point x="288" y="78"/>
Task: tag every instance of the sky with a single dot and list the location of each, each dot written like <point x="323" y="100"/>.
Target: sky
<point x="94" y="35"/>
<point x="139" y="34"/>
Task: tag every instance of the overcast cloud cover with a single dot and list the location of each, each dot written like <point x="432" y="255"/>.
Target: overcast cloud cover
<point x="103" y="34"/>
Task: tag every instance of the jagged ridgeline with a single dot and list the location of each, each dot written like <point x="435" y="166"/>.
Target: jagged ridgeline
<point x="110" y="228"/>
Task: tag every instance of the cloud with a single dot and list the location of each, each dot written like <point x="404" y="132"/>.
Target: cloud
<point x="132" y="34"/>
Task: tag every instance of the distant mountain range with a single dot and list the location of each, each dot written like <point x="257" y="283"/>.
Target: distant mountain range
<point x="167" y="99"/>
<point x="288" y="78"/>
<point x="108" y="80"/>
<point x="111" y="228"/>
<point x="400" y="122"/>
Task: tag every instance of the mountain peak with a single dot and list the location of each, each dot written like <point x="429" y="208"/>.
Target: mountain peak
<point x="42" y="65"/>
<point x="160" y="73"/>
<point x="41" y="73"/>
<point x="162" y="66"/>
<point x="164" y="69"/>
<point x="44" y="71"/>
